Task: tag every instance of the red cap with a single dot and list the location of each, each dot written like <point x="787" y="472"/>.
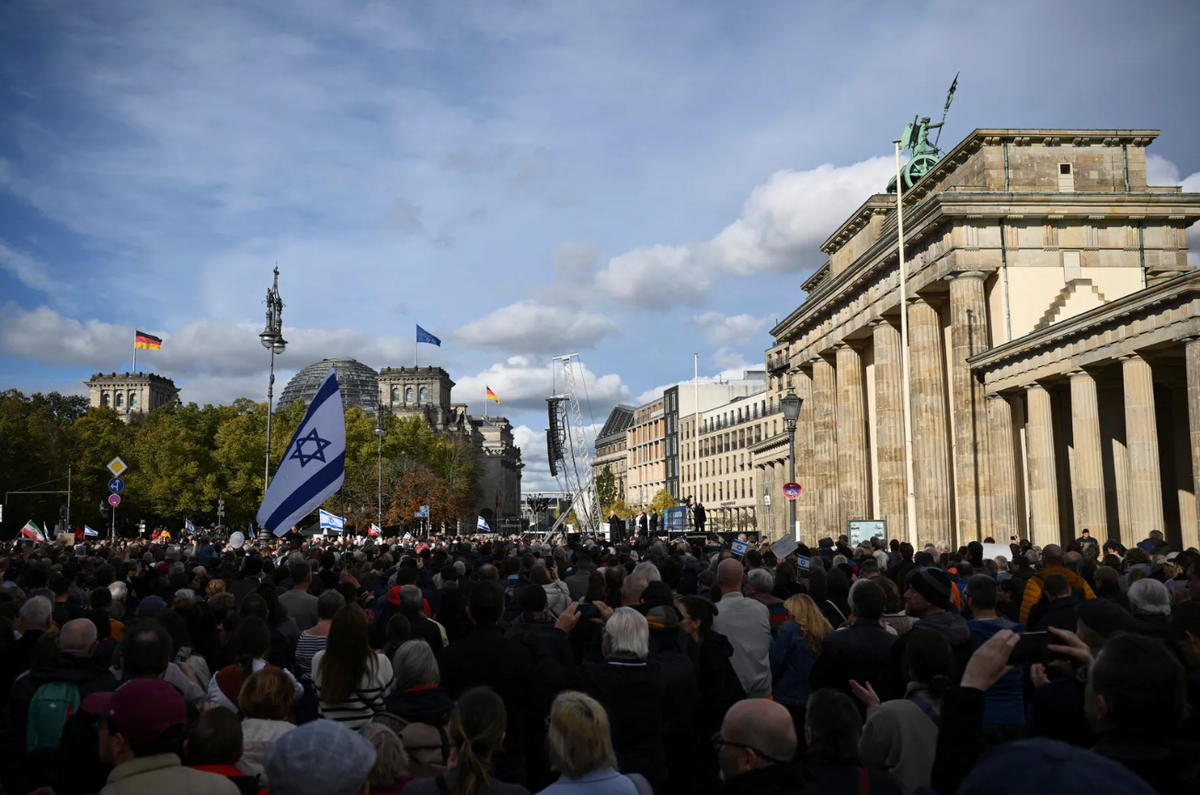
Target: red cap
<point x="394" y="594"/>
<point x="141" y="709"/>
<point x="163" y="568"/>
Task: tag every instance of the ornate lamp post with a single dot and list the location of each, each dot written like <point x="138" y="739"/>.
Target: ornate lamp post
<point x="272" y="339"/>
<point x="790" y="403"/>
<point x="379" y="434"/>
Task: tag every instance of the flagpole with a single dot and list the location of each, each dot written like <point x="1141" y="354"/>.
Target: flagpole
<point x="135" y="353"/>
<point x="911" y="497"/>
<point x="416" y="341"/>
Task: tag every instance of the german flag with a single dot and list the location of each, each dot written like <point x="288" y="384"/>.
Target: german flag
<point x="491" y="395"/>
<point x="146" y="341"/>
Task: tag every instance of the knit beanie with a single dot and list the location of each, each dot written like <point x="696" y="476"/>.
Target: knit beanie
<point x="934" y="585"/>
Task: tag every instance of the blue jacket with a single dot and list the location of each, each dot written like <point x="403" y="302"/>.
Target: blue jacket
<point x="791" y="664"/>
<point x="1004" y="703"/>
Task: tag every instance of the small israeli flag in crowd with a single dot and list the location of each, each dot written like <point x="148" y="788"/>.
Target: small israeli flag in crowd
<point x="483" y="525"/>
<point x="188" y="526"/>
<point x="332" y="522"/>
<point x="87" y="531"/>
<point x="314" y="465"/>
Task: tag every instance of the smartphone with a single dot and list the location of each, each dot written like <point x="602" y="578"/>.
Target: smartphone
<point x="588" y="610"/>
<point x="1033" y="647"/>
<point x="183" y="654"/>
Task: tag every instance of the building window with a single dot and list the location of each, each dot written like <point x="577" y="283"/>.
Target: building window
<point x="120" y="400"/>
<point x="424" y="394"/>
<point x="395" y="394"/>
<point x="133" y="400"/>
<point x="1066" y="179"/>
<point x="408" y="395"/>
<point x="105" y="400"/>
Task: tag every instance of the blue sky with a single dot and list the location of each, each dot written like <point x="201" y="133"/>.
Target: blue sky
<point x="636" y="181"/>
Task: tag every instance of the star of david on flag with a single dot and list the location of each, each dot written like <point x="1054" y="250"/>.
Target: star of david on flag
<point x="483" y="525"/>
<point x="188" y="526"/>
<point x="331" y="521"/>
<point x="314" y="465"/>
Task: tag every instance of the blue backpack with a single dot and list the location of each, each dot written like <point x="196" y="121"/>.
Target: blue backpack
<point x="51" y="707"/>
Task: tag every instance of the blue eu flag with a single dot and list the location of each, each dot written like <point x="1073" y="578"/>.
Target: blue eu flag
<point x="425" y="336"/>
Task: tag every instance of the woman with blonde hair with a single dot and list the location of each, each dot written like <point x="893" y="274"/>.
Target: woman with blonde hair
<point x="793" y="652"/>
<point x="581" y="750"/>
<point x="476" y="732"/>
<point x="265" y="703"/>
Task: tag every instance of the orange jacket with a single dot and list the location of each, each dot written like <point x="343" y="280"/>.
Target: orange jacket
<point x="1033" y="588"/>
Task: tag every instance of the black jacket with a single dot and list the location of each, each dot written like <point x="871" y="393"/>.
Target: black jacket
<point x="1169" y="767"/>
<point x="633" y="693"/>
<point x="1059" y="613"/>
<point x="22" y="774"/>
<point x="829" y="777"/>
<point x="485" y="658"/>
<point x="770" y="780"/>
<point x="698" y="515"/>
<point x="861" y="651"/>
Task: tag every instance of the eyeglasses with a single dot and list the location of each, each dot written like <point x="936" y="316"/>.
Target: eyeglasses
<point x="717" y="741"/>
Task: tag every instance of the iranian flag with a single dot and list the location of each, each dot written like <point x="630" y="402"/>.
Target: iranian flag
<point x="31" y="530"/>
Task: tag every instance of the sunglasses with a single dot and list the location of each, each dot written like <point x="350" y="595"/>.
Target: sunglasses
<point x="717" y="741"/>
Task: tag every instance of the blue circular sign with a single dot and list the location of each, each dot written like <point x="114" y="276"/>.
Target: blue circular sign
<point x="116" y="485"/>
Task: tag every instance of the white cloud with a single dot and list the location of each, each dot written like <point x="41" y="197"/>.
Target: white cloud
<point x="202" y="347"/>
<point x="27" y="269"/>
<point x="781" y="226"/>
<point x="524" y="382"/>
<point x="532" y="327"/>
<point x="1160" y="171"/>
<point x="536" y="475"/>
<point x="654" y="277"/>
<point x="733" y="365"/>
<point x="720" y="329"/>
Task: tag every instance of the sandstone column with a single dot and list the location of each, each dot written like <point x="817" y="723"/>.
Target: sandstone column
<point x="1043" y="479"/>
<point x="1002" y="468"/>
<point x="889" y="429"/>
<point x="1191" y="347"/>
<point x="806" y="505"/>
<point x="825" y="453"/>
<point x="853" y="485"/>
<point x="1141" y="442"/>
<point x="931" y="447"/>
<point x="969" y="336"/>
<point x="1088" y="487"/>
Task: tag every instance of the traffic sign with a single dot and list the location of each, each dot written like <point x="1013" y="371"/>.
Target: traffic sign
<point x="116" y="485"/>
<point x="114" y="500"/>
<point x="767" y="500"/>
<point x="791" y="490"/>
<point x="117" y="466"/>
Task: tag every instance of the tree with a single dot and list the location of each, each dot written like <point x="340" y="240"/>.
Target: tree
<point x="606" y="488"/>
<point x="662" y="501"/>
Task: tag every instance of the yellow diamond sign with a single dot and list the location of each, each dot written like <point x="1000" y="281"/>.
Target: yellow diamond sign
<point x="117" y="466"/>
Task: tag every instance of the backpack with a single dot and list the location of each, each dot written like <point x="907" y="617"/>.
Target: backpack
<point x="51" y="707"/>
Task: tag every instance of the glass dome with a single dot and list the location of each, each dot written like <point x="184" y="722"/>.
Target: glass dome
<point x="357" y="382"/>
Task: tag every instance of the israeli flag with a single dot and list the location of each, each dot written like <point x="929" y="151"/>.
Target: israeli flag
<point x="483" y="525"/>
<point x="87" y="531"/>
<point x="314" y="465"/>
<point x="188" y="526"/>
<point x="331" y="521"/>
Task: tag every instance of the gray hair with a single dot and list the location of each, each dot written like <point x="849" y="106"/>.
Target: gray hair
<point x="627" y="632"/>
<point x="35" y="613"/>
<point x="761" y="580"/>
<point x="295" y="557"/>
<point x="838" y="560"/>
<point x="649" y="571"/>
<point x="185" y="593"/>
<point x="415" y="666"/>
<point x="391" y="760"/>
<point x="77" y="635"/>
<point x="1149" y="597"/>
<point x="411" y="597"/>
<point x="119" y="591"/>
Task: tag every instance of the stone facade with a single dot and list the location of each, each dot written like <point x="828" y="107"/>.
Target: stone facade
<point x="645" y="442"/>
<point x="611" y="446"/>
<point x="424" y="391"/>
<point x="131" y="393"/>
<point x="500" y="468"/>
<point x="1012" y="237"/>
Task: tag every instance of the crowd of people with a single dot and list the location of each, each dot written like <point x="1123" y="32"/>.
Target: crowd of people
<point x="486" y="665"/>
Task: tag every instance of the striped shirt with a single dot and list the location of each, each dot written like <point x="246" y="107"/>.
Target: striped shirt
<point x="365" y="703"/>
<point x="306" y="647"/>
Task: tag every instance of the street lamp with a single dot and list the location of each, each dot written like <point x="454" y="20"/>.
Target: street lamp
<point x="790" y="403"/>
<point x="379" y="434"/>
<point x="272" y="339"/>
